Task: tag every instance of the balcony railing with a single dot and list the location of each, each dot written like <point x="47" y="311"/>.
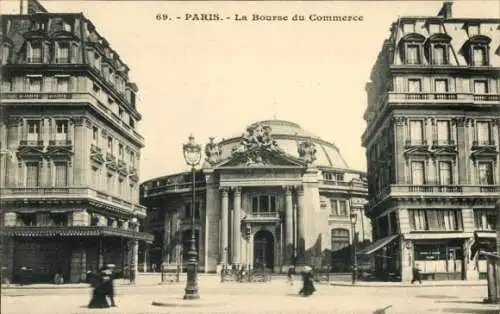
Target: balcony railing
<point x="75" y="96"/>
<point x="69" y="193"/>
<point x="37" y="143"/>
<point x="60" y="143"/>
<point x="263" y="216"/>
<point x="483" y="143"/>
<point x="486" y="97"/>
<point x="451" y="190"/>
<point x="94" y="149"/>
<point x="174" y="187"/>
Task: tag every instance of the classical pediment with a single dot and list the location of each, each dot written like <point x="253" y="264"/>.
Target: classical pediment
<point x="484" y="152"/>
<point x="58" y="151"/>
<point x="417" y="151"/>
<point x="444" y="151"/>
<point x="30" y="151"/>
<point x="260" y="158"/>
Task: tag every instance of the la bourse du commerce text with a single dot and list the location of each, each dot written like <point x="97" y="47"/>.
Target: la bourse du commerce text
<point x="256" y="17"/>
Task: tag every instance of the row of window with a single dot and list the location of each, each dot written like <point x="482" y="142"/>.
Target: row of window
<point x="333" y="176"/>
<point x="44" y="219"/>
<point x="58" y="175"/>
<point x="110" y="147"/>
<point x="62" y="52"/>
<point x="115" y="108"/>
<point x="445" y="171"/>
<point x="35" y="84"/>
<point x="114" y="185"/>
<point x="441" y="85"/>
<point x="442" y="132"/>
<point x="449" y="220"/>
<point x="34" y="130"/>
<point x="439" y="54"/>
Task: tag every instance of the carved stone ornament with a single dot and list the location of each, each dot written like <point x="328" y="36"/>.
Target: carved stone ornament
<point x="212" y="152"/>
<point x="307" y="151"/>
<point x="256" y="137"/>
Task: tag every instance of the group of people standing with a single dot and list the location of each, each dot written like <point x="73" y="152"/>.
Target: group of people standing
<point x="103" y="287"/>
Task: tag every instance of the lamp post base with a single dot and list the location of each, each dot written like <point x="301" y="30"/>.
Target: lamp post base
<point x="191" y="295"/>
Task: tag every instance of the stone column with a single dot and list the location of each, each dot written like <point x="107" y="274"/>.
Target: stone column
<point x="79" y="162"/>
<point x="301" y="217"/>
<point x="166" y="239"/>
<point x="289" y="225"/>
<point x="224" y="209"/>
<point x="237" y="226"/>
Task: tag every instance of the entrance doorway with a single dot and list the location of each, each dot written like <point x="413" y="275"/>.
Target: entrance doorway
<point x="263" y="249"/>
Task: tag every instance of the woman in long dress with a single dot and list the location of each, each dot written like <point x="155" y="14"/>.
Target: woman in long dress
<point x="307" y="282"/>
<point x="98" y="292"/>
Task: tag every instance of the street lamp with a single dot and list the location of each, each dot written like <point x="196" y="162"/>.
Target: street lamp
<point x="192" y="155"/>
<point x="354" y="217"/>
<point x="133" y="249"/>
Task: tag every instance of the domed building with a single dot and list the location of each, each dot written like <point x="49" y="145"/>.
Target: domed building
<point x="273" y="195"/>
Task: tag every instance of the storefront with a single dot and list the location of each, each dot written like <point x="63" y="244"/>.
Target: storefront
<point x="440" y="259"/>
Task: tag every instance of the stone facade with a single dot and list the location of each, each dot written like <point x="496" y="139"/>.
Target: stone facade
<point x="69" y="148"/>
<point x="433" y="170"/>
<point x="259" y="201"/>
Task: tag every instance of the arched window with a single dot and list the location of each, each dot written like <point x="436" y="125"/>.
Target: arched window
<point x="437" y="48"/>
<point x="476" y="50"/>
<point x="410" y="48"/>
<point x="340" y="239"/>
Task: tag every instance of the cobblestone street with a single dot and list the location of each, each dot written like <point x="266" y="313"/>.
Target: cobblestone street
<point x="271" y="297"/>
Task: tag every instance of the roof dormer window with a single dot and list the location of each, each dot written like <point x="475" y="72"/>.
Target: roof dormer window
<point x="34" y="52"/>
<point x="476" y="50"/>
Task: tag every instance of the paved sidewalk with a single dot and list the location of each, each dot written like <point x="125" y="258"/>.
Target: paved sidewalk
<point x="426" y="283"/>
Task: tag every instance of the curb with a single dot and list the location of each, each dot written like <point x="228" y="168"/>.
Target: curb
<point x="406" y="285"/>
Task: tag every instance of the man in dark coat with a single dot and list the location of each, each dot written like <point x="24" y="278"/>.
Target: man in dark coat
<point x="416" y="275"/>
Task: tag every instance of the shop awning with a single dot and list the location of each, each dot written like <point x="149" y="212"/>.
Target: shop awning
<point x="83" y="231"/>
<point x="377" y="245"/>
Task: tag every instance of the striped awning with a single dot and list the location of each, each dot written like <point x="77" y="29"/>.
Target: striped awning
<point x="377" y="245"/>
<point x="92" y="231"/>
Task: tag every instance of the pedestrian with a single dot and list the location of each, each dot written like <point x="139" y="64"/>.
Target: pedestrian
<point x="290" y="273"/>
<point x="307" y="282"/>
<point x="108" y="277"/>
<point x="98" y="300"/>
<point x="416" y="274"/>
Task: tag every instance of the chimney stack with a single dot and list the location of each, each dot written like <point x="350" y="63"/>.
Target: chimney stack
<point x="446" y="10"/>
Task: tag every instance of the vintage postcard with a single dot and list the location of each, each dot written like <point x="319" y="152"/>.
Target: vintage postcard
<point x="249" y="156"/>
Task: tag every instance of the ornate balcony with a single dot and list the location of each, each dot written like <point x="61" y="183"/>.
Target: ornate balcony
<point x="111" y="161"/>
<point x="173" y="188"/>
<point x="122" y="167"/>
<point x="64" y="143"/>
<point x="64" y="194"/>
<point x="38" y="144"/>
<point x="269" y="217"/>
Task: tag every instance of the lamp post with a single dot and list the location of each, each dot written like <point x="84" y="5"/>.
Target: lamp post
<point x="354" y="217"/>
<point x="133" y="251"/>
<point x="192" y="155"/>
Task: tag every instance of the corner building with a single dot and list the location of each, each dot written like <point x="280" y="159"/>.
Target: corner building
<point x="432" y="146"/>
<point x="274" y="196"/>
<point x="70" y="150"/>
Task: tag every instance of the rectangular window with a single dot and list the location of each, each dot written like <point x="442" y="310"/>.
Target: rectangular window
<point x="413" y="54"/>
<point x="120" y="151"/>
<point x="61" y="174"/>
<point x="62" y="53"/>
<point x="33" y="130"/>
<point x="96" y="89"/>
<point x="342" y="208"/>
<point x="61" y="130"/>
<point x="439" y="55"/>
<point x="32" y="174"/>
<point x="436" y="220"/>
<point x="445" y="173"/>
<point x="418" y="172"/>
<point x="480" y="87"/>
<point x="110" y="144"/>
<point x="36" y="53"/>
<point x="485" y="173"/>
<point x="443" y="132"/>
<point x="263" y="203"/>
<point x="441" y="86"/>
<point x="63" y="84"/>
<point x="334" y="207"/>
<point x="479" y="56"/>
<point x="414" y="86"/>
<point x="416" y="132"/>
<point x="95" y="135"/>
<point x="483" y="133"/>
<point x="35" y="84"/>
<point x="485" y="219"/>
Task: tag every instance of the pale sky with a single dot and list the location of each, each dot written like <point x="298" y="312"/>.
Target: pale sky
<point x="215" y="78"/>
